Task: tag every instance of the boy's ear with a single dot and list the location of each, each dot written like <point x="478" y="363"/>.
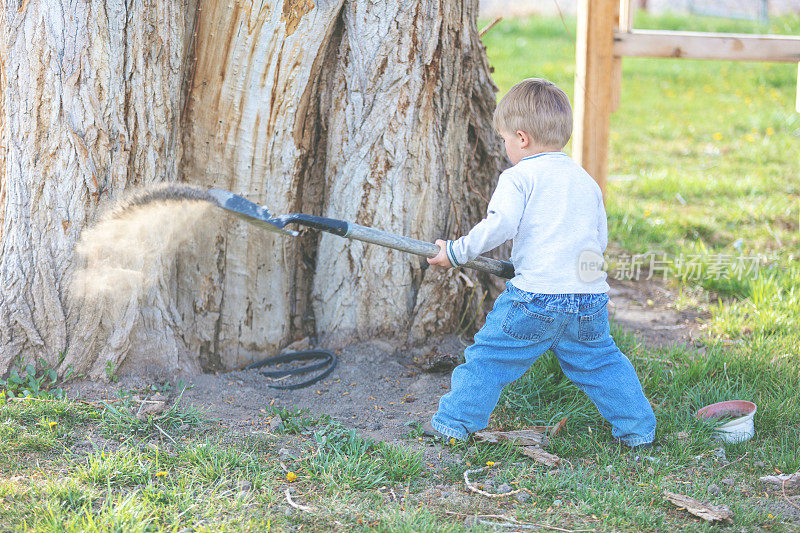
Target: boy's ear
<point x="524" y="139"/>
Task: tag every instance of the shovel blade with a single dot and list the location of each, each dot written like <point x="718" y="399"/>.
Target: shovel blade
<point x="249" y="211"/>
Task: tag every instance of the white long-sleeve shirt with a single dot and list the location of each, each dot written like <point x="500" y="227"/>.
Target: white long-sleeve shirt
<point x="554" y="212"/>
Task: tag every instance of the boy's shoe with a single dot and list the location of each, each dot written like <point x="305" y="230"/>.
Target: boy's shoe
<point x="645" y="446"/>
<point x="429" y="431"/>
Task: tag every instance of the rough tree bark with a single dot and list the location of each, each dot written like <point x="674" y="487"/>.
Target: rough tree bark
<point x="379" y="113"/>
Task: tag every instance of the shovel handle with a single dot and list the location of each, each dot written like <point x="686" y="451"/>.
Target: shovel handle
<point x="503" y="269"/>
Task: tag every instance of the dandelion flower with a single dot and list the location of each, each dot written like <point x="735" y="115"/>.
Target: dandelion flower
<point x="490" y="463"/>
<point x="770" y="131"/>
<point x="749" y="138"/>
<point x="161" y="473"/>
<point x="452" y="440"/>
<point x="291" y="476"/>
<point x="718" y="136"/>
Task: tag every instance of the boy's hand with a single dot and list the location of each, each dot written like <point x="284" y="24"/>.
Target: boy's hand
<point x="441" y="258"/>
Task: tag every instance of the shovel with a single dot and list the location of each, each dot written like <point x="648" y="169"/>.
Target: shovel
<point x="259" y="215"/>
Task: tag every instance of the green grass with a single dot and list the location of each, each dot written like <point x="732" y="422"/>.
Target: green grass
<point x="127" y="418"/>
<point x="703" y="162"/>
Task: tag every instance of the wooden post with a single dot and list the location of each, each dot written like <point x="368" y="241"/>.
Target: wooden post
<point x="593" y="85"/>
<point x="626" y="11"/>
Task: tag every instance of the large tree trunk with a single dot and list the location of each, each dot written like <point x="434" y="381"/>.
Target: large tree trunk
<point x="378" y="113"/>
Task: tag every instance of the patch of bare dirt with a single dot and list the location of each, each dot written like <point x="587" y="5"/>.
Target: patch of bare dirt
<point x="646" y="308"/>
<point x="380" y="389"/>
<point x="375" y="388"/>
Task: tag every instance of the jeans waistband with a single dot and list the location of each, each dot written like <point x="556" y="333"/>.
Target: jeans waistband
<point x="569" y="303"/>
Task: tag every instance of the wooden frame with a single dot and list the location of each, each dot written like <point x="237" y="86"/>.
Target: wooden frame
<point x="695" y="45"/>
<point x="606" y="35"/>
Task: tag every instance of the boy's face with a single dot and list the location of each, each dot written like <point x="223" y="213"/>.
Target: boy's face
<point x="516" y="143"/>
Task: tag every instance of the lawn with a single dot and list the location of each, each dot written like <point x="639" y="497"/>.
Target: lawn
<point x="704" y="168"/>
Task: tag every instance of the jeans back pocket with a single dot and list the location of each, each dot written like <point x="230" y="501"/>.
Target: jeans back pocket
<point x="593" y="326"/>
<point x="526" y="324"/>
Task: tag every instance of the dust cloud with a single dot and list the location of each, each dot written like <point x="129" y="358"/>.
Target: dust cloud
<point x="134" y="244"/>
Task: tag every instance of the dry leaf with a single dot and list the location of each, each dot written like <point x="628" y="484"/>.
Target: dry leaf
<point x="558" y="427"/>
<point x="150" y="408"/>
<point x="706" y="511"/>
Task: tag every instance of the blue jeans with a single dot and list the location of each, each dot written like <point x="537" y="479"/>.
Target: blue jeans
<point x="520" y="328"/>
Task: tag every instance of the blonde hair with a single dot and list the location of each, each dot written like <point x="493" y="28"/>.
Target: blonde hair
<point x="540" y="109"/>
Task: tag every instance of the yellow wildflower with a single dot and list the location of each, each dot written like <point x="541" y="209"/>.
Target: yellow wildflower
<point x="749" y="138"/>
<point x="718" y="136"/>
<point x="770" y="131"/>
<point x="161" y="473"/>
<point x="291" y="476"/>
<point x="490" y="463"/>
<point x="452" y="441"/>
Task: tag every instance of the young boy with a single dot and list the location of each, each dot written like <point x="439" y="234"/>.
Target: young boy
<point x="553" y="210"/>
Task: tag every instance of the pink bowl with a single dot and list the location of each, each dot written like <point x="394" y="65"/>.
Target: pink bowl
<point x="741" y="428"/>
<point x="730" y="407"/>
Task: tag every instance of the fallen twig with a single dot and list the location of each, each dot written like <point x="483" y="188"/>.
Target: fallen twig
<point x="507" y="524"/>
<point x="489" y="26"/>
<point x="736" y="461"/>
<point x="785" y="497"/>
<point x="512" y="522"/>
<point x="475" y="489"/>
<point x="296" y="505"/>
